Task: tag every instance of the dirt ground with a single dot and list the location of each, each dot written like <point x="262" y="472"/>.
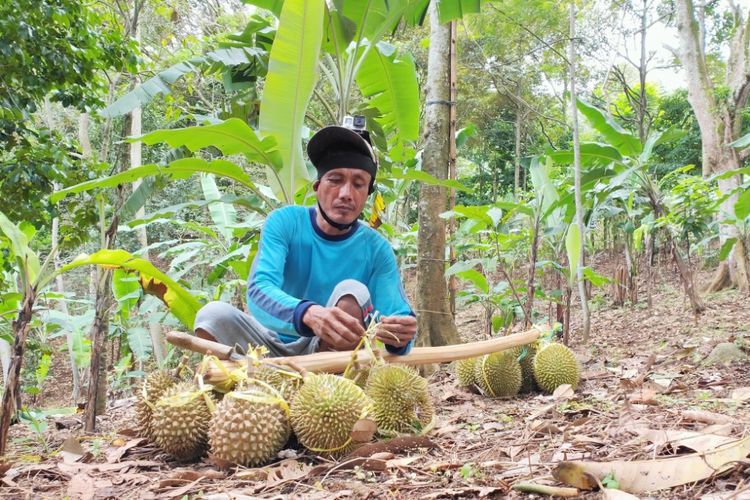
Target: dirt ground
<point x="643" y="380"/>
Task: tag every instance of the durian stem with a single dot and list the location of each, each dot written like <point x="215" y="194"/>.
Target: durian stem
<point x="336" y="362"/>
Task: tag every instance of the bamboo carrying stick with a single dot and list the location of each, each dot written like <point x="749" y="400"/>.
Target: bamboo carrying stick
<point x="336" y="362"/>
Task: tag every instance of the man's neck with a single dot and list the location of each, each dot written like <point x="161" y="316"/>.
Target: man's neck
<point x="326" y="227"/>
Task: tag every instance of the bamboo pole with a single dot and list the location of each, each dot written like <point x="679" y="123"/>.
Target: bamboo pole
<point x="336" y="362"/>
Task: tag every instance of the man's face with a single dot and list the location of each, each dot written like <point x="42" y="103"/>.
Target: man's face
<point x="342" y="193"/>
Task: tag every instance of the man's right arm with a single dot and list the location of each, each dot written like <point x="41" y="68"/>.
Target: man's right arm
<point x="267" y="302"/>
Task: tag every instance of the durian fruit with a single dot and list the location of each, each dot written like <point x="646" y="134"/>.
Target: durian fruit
<point x="555" y="365"/>
<point x="324" y="412"/>
<point x="498" y="374"/>
<point x="401" y="403"/>
<point x="250" y="427"/>
<point x="153" y="388"/>
<point x="464" y="369"/>
<point x="526" y="353"/>
<point x="286" y="382"/>
<point x="181" y="419"/>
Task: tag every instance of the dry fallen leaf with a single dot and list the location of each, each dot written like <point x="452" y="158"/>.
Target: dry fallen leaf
<point x="613" y="494"/>
<point x="696" y="441"/>
<point x="114" y="455"/>
<point x="564" y="391"/>
<point x="80" y="487"/>
<point x="363" y="431"/>
<point x="741" y="394"/>
<point x="72" y="451"/>
<point x="706" y="417"/>
<point x="652" y="475"/>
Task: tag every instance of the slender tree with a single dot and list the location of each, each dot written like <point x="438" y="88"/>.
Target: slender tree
<point x="577" y="170"/>
<point x="436" y="325"/>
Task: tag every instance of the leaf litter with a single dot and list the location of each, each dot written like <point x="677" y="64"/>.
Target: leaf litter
<point x="645" y="400"/>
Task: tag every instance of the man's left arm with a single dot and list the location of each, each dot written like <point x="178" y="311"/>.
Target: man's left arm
<point x="398" y="323"/>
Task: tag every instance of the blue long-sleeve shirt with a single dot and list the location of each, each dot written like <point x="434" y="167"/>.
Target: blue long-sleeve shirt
<point x="297" y="265"/>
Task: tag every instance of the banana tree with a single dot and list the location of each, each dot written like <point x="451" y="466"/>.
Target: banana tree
<point x="35" y="277"/>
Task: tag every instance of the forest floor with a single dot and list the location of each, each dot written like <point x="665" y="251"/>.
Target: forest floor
<point x="645" y="394"/>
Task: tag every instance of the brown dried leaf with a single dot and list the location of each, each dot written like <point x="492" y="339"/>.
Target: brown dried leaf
<point x="644" y="394"/>
<point x="706" y="417"/>
<point x="653" y="475"/>
<point x="363" y="431"/>
<point x="192" y="475"/>
<point x="544" y="427"/>
<point x="80" y="487"/>
<point x="470" y="492"/>
<point x="395" y="445"/>
<point x="71" y="450"/>
<point x="564" y="391"/>
<point x="286" y="470"/>
<point x="613" y="494"/>
<point x="741" y="394"/>
<point x="696" y="441"/>
<point x="114" y="455"/>
<point x="402" y="462"/>
<point x="179" y="492"/>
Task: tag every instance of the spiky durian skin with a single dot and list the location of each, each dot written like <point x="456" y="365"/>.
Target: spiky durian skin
<point x="464" y="369"/>
<point x="400" y="400"/>
<point x="181" y="420"/>
<point x="555" y="365"/>
<point x="324" y="412"/>
<point x="153" y="388"/>
<point x="498" y="374"/>
<point x="250" y="427"/>
<point x="528" y="383"/>
<point x="285" y="382"/>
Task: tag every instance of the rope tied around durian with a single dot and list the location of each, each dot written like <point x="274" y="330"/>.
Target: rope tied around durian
<point x="365" y="343"/>
<point x="484" y="376"/>
<point x="272" y="397"/>
<point x="183" y="398"/>
<point x="231" y="377"/>
<point x="363" y="415"/>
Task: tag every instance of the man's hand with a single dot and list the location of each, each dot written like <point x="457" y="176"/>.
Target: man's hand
<point x="335" y="327"/>
<point x="397" y="331"/>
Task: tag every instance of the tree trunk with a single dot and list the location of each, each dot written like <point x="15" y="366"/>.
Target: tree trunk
<point x="435" y="321"/>
<point x="720" y="122"/>
<point x="577" y="166"/>
<point x="517" y="144"/>
<point x="649" y="269"/>
<point x="11" y="396"/>
<point x="452" y="281"/>
<point x="686" y="276"/>
<point x="529" y="307"/>
<point x="97" y="395"/>
<point x="63" y="307"/>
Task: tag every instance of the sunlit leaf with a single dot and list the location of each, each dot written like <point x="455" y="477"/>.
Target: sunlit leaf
<point x="625" y="142"/>
<point x="726" y="247"/>
<point x="28" y="261"/>
<point x="388" y="77"/>
<point x="573" y="248"/>
<point x="179" y="301"/>
<point x="288" y="86"/>
<point x="476" y="278"/>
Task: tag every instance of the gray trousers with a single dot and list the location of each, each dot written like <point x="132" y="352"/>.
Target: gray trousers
<point x="230" y="326"/>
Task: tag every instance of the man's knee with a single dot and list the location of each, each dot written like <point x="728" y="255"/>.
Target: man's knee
<point x="353" y="288"/>
<point x="214" y="315"/>
<point x="349" y="304"/>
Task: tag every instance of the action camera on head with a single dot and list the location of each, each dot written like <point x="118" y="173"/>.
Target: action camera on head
<point x="356" y="122"/>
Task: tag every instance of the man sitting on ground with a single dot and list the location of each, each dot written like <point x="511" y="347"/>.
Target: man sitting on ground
<point x="319" y="255"/>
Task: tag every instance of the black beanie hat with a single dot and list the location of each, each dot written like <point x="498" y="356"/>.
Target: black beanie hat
<point x="339" y="147"/>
